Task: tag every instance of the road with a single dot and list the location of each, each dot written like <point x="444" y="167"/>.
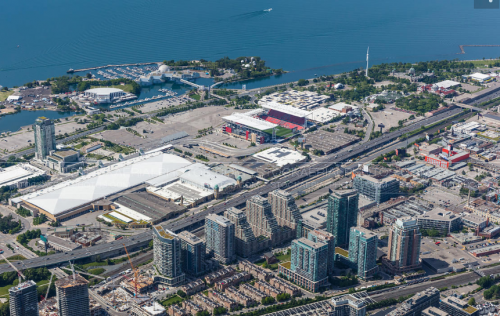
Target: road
<point x="320" y="165"/>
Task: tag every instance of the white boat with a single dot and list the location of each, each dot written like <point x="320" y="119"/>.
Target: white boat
<point x="269" y="10"/>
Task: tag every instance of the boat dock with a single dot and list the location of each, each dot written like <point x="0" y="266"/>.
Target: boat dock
<point x="108" y="66"/>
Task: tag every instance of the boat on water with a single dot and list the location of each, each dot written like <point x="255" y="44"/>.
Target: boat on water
<point x="269" y="10"/>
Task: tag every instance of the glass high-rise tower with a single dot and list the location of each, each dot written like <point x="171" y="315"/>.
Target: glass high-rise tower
<point x="45" y="137"/>
<point x="342" y="215"/>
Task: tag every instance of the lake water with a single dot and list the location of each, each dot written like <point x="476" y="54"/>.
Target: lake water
<point x="303" y="37"/>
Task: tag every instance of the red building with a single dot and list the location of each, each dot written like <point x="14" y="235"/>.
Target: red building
<point x="446" y="158"/>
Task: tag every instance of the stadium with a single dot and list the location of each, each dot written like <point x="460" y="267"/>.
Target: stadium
<point x="264" y="125"/>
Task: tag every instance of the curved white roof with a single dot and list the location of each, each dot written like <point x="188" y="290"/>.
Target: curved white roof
<point x="70" y="194"/>
<point x="163" y="68"/>
<point x="104" y="90"/>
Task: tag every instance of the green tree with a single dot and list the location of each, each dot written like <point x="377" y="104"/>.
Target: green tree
<point x="472" y="301"/>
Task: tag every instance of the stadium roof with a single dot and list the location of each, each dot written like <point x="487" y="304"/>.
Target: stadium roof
<point x="68" y="195"/>
<point x="280" y="107"/>
<point x="104" y="90"/>
<point x="258" y="124"/>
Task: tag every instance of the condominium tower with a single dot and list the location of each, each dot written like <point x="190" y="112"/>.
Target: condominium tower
<point x="167" y="255"/>
<point x="342" y="215"/>
<point x="73" y="296"/>
<point x="193" y="252"/>
<point x="363" y="251"/>
<point x="378" y="190"/>
<point x="23" y="299"/>
<point x="45" y="137"/>
<point x="261" y="219"/>
<point x="404" y="246"/>
<point x="327" y="238"/>
<point x="284" y="209"/>
<point x="219" y="236"/>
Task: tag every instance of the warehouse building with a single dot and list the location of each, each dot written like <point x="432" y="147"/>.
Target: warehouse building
<point x="18" y="176"/>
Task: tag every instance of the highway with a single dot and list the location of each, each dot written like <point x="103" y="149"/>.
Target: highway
<point x="320" y="165"/>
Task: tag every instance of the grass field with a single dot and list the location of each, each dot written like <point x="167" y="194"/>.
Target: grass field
<point x="173" y="300"/>
<point x="280" y="132"/>
<point x="96" y="271"/>
<point x="197" y="97"/>
<point x="284" y="258"/>
<point x="482" y="63"/>
<point x="4" y="95"/>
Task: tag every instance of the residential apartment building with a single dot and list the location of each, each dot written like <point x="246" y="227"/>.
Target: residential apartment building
<point x="262" y="220"/>
<point x="285" y="287"/>
<point x="363" y="251"/>
<point x="246" y="244"/>
<point x="267" y="288"/>
<point x="416" y="304"/>
<point x="255" y="270"/>
<point x="342" y="214"/>
<point x="441" y="220"/>
<point x="239" y="297"/>
<point x="72" y="294"/>
<point x="23" y="299"/>
<point x="232" y="280"/>
<point x="309" y="264"/>
<point x="378" y="190"/>
<point x="191" y="307"/>
<point x="45" y="137"/>
<point x="252" y="292"/>
<point x="457" y="307"/>
<point x="205" y="302"/>
<point x="193" y="252"/>
<point x="174" y="310"/>
<point x="404" y="246"/>
<point x="348" y="305"/>
<point x="219" y="236"/>
<point x="327" y="238"/>
<point x="216" y="276"/>
<point x="167" y="256"/>
<point x="223" y="300"/>
<point x="193" y="287"/>
<point x="285" y="211"/>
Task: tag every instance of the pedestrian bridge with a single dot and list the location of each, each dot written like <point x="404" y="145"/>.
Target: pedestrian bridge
<point x="192" y="84"/>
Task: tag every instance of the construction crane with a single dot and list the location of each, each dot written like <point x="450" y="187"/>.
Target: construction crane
<point x="19" y="273"/>
<point x="48" y="288"/>
<point x="136" y="271"/>
<point x="72" y="270"/>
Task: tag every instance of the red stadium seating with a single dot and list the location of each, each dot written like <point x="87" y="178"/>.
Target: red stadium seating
<point x="281" y="123"/>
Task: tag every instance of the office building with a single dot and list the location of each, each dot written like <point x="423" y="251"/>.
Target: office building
<point x="193" y="252"/>
<point x="378" y="190"/>
<point x="219" y="235"/>
<point x="167" y="256"/>
<point x="363" y="251"/>
<point x="45" y="137"/>
<point x="342" y="215"/>
<point x="404" y="246"/>
<point x="23" y="299"/>
<point x="457" y="307"/>
<point x="416" y="304"/>
<point x="262" y="220"/>
<point x="73" y="296"/>
<point x="327" y="238"/>
<point x="309" y="264"/>
<point x="348" y="305"/>
<point x="285" y="210"/>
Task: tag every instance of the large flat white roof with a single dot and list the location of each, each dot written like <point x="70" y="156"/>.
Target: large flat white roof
<point x="104" y="90"/>
<point x="479" y="76"/>
<point x="104" y="182"/>
<point x="273" y="105"/>
<point x="258" y="124"/>
<point x="447" y="84"/>
<point x="207" y="178"/>
<point x="280" y="156"/>
<point x="14" y="174"/>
